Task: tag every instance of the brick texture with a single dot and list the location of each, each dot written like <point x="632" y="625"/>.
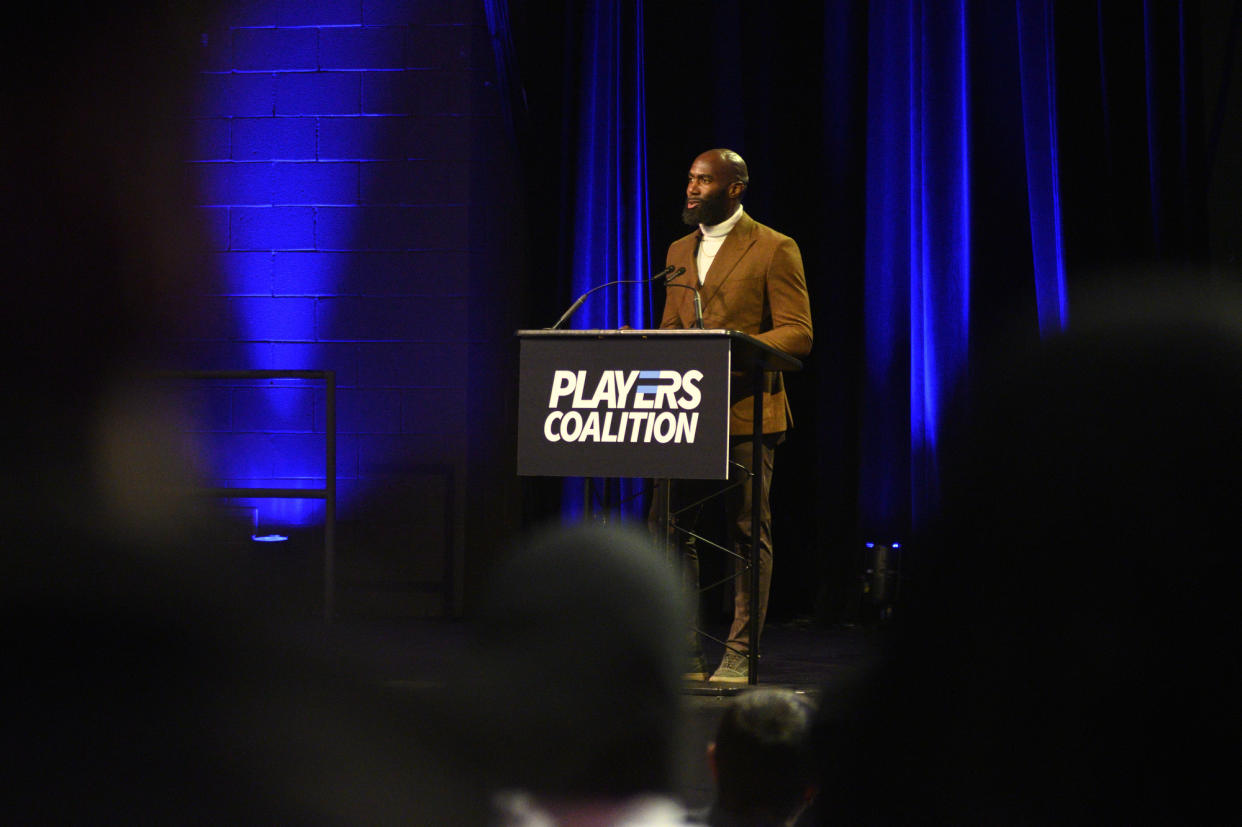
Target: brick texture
<point x="332" y="166"/>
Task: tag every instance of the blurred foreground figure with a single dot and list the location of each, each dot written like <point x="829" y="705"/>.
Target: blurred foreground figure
<point x="761" y="760"/>
<point x="577" y="697"/>
<point x="1072" y="652"/>
<point x="144" y="684"/>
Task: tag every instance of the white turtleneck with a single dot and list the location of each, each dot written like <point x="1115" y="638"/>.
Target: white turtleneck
<point x="713" y="237"/>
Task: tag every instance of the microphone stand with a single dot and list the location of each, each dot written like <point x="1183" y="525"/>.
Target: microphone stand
<point x="564" y="317"/>
<point x="698" y="303"/>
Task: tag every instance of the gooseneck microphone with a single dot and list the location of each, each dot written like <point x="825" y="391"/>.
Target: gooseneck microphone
<point x="698" y="303"/>
<point x="663" y="274"/>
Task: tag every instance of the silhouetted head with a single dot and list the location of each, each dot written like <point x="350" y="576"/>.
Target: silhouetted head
<point x="762" y="758"/>
<point x="578" y="645"/>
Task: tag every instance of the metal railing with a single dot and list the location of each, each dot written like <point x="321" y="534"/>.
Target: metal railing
<point x="327" y="493"/>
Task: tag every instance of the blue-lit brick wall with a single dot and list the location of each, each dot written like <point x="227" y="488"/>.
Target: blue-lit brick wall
<point x="335" y="148"/>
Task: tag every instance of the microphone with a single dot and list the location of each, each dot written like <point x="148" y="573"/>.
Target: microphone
<point x="698" y="303"/>
<point x="578" y="303"/>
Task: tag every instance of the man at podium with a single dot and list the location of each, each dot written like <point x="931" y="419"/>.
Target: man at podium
<point x="748" y="278"/>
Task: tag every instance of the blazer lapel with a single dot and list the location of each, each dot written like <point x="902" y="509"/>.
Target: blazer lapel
<point x="735" y="245"/>
<point x="693" y="269"/>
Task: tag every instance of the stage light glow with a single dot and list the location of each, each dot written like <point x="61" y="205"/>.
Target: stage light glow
<point x="282" y="173"/>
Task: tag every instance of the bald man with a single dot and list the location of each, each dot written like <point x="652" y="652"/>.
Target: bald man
<point x="750" y="278"/>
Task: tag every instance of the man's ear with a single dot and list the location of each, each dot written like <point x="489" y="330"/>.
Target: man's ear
<point x="711" y="759"/>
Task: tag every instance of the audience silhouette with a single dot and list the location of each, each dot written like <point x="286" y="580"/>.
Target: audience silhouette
<point x="1068" y="650"/>
<point x="762" y="760"/>
<point x="574" y="686"/>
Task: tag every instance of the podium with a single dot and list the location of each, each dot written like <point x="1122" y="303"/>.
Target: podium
<point x="641" y="403"/>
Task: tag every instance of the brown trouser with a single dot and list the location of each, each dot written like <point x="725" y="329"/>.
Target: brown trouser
<point x="686" y="508"/>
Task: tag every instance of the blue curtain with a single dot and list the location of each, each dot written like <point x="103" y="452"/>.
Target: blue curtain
<point x="601" y="183"/>
<point x="919" y="274"/>
<point x="1136" y="162"/>
<point x="611" y="237"/>
<point x="1037" y="71"/>
<point x="610" y="230"/>
<point x="917" y="292"/>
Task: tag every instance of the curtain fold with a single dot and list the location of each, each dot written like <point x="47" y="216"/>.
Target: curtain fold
<point x="609" y="203"/>
<point x="610" y="237"/>
<point x="917" y="293"/>
<point x="1037" y="72"/>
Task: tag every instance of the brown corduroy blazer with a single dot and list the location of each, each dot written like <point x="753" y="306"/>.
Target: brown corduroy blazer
<point x="756" y="285"/>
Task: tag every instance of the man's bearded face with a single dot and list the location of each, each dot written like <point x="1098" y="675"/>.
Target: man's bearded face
<point x="708" y="208"/>
<point x="707" y="191"/>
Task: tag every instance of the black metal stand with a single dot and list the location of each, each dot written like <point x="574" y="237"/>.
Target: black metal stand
<point x="327" y="493"/>
<point x="704" y="688"/>
<point x="756" y="522"/>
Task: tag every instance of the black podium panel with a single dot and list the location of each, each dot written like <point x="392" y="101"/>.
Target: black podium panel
<point x="624" y="404"/>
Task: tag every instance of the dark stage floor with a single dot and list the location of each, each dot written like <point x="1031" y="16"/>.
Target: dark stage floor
<point x="411" y="655"/>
